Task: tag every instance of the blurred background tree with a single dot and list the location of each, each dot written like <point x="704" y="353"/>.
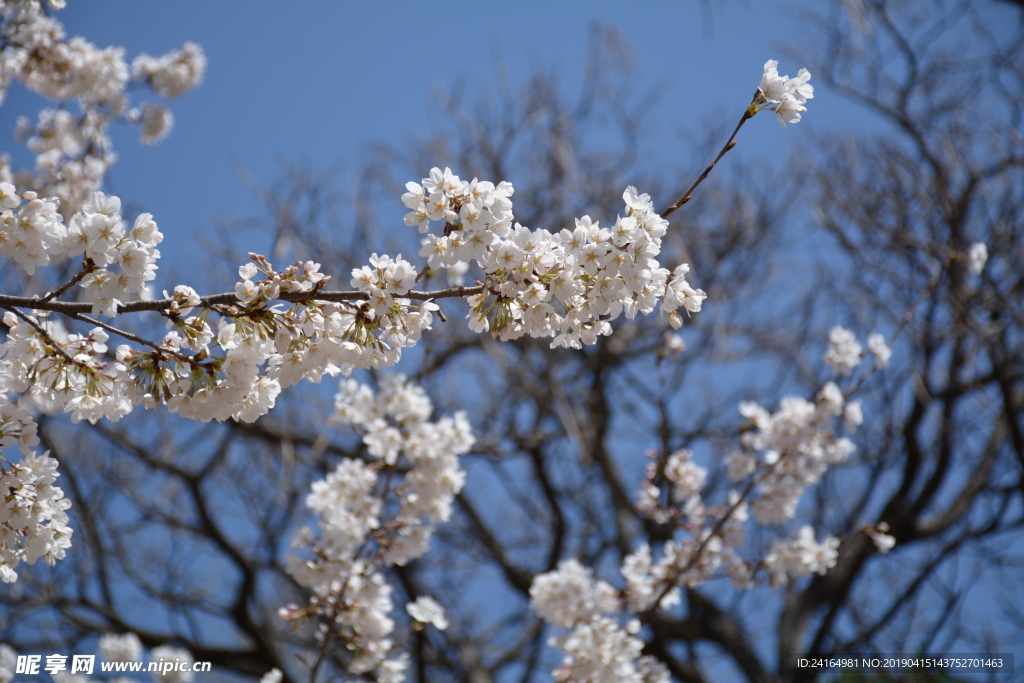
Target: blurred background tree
<point x="182" y="529"/>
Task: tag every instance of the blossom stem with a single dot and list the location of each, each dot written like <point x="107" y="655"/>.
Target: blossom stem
<point x="907" y="317"/>
<point x="138" y="340"/>
<point x="729" y="144"/>
<point x="87" y="267"/>
<point x="45" y="335"/>
<point x="673" y="576"/>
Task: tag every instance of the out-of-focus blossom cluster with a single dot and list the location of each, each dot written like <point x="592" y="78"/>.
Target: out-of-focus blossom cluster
<point x="977" y="257"/>
<point x="33" y="521"/>
<point x="800" y="556"/>
<point x="596" y="646"/>
<point x="796" y="444"/>
<point x="376" y="513"/>
<point x="845" y="353"/>
<point x="781" y="454"/>
<point x="73" y="149"/>
<point x="172" y="74"/>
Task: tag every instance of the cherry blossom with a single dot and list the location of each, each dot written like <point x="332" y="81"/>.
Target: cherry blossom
<point x="977" y="256"/>
<point x="341" y="561"/>
<point x="784" y="95"/>
<point x="878" y="346"/>
<point x="844" y="352"/>
<point x="426" y="610"/>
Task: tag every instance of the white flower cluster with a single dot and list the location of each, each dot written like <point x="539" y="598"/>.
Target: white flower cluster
<point x="303" y="342"/>
<point x="343" y="566"/>
<point x="124" y="647"/>
<point x="796" y="444"/>
<point x="74" y="151"/>
<point x="294" y="344"/>
<point x="156" y="121"/>
<point x="781" y="454"/>
<point x="686" y="476"/>
<point x="33" y="521"/>
<point x="314" y="338"/>
<point x="173" y="74"/>
<point x="713" y="537"/>
<point x="880" y="349"/>
<point x="302" y="277"/>
<point x="64" y="372"/>
<point x="382" y="279"/>
<point x="30" y="235"/>
<point x="98" y="232"/>
<point x="597" y="648"/>
<point x="977" y="256"/>
<point x="786" y="96"/>
<point x="375" y="333"/>
<point x="169" y="653"/>
<point x="8" y="663"/>
<point x="686" y="479"/>
<point x="883" y="541"/>
<point x="37" y="53"/>
<point x="568" y="285"/>
<point x="844" y="352"/>
<point x="800" y="556"/>
<point x="426" y="610"/>
<point x="33" y="234"/>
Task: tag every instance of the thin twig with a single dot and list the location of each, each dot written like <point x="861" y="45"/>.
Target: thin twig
<point x="87" y="267"/>
<point x="137" y="339"/>
<point x="45" y="335"/>
<point x="907" y="317"/>
<point x="729" y="144"/>
<point x="676" y="573"/>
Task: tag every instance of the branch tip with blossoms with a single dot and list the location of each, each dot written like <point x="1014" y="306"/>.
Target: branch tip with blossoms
<point x="780" y="94"/>
<point x="74" y="151"/>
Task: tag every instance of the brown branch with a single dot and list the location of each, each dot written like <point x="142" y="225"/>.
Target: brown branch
<point x="225" y="299"/>
<point x="729" y="144"/>
<point x="87" y="267"/>
<point x="44" y="334"/>
<point x="138" y="340"/>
